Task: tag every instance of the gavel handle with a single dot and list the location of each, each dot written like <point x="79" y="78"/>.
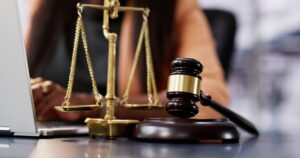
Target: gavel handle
<point x="242" y="122"/>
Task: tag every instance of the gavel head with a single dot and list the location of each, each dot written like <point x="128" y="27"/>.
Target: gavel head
<point x="184" y="87"/>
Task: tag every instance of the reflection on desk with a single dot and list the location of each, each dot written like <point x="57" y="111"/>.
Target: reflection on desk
<point x="267" y="145"/>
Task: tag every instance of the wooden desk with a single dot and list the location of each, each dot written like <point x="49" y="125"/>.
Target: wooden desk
<point x="268" y="145"/>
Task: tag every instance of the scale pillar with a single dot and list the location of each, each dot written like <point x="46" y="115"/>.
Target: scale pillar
<point x="110" y="93"/>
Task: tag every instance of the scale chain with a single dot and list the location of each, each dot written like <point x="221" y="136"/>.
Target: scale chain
<point x="135" y="62"/>
<point x="148" y="68"/>
<point x="80" y="30"/>
<point x="89" y="63"/>
<point x="151" y="84"/>
<point x="73" y="64"/>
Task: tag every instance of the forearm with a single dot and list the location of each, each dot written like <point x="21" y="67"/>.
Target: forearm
<point x="197" y="42"/>
<point x="219" y="93"/>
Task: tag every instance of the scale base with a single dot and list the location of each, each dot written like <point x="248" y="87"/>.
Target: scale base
<point x="110" y="128"/>
<point x="177" y="130"/>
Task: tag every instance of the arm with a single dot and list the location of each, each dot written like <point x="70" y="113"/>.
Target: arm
<point x="195" y="41"/>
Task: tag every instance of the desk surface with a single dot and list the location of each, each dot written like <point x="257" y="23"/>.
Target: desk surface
<point x="267" y="145"/>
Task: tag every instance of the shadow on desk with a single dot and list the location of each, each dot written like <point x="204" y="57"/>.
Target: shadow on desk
<point x="275" y="145"/>
<point x="82" y="147"/>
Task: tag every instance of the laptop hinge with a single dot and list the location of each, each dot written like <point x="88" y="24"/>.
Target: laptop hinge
<point x="6" y="131"/>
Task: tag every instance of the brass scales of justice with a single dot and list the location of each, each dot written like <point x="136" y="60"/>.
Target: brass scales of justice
<point x="110" y="126"/>
<point x="182" y="99"/>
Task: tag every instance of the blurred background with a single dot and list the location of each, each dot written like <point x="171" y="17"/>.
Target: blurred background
<point x="263" y="73"/>
<point x="264" y="77"/>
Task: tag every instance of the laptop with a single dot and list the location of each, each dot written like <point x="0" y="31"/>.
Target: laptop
<point x="17" y="113"/>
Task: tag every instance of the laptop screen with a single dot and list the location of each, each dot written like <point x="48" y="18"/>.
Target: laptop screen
<point x="16" y="105"/>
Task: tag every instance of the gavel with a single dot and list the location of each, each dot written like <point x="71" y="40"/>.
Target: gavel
<point x="184" y="91"/>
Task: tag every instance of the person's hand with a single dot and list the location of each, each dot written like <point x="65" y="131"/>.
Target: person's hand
<point x="47" y="95"/>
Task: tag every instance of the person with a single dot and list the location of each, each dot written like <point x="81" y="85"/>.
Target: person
<point x="177" y="29"/>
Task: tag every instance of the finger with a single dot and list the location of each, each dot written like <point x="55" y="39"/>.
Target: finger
<point x="36" y="80"/>
<point x="42" y="90"/>
<point x="36" y="86"/>
<point x="45" y="86"/>
<point x="49" y="113"/>
<point x="48" y="83"/>
<point x="48" y="86"/>
<point x="49" y="116"/>
<point x="37" y="92"/>
<point x="47" y="110"/>
<point x="52" y="99"/>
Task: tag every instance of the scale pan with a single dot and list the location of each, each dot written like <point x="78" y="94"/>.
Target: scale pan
<point x="77" y="108"/>
<point x="144" y="106"/>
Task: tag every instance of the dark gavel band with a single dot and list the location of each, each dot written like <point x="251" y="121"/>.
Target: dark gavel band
<point x="184" y="91"/>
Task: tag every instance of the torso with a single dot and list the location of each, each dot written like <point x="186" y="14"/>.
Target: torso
<point x="58" y="68"/>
